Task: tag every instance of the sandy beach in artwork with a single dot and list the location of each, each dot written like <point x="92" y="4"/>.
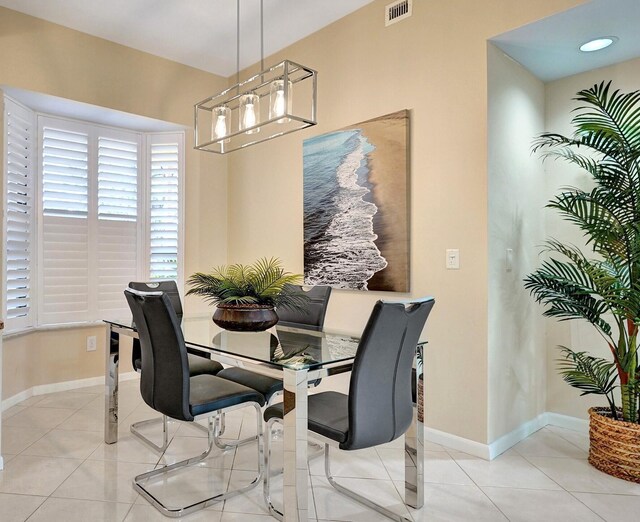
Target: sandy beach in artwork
<point x="388" y="177"/>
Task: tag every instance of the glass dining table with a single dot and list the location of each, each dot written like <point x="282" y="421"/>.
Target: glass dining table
<point x="297" y="357"/>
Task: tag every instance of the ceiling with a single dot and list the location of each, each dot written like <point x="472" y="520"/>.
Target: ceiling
<point x="202" y="33"/>
<point x="549" y="47"/>
<point x="199" y="33"/>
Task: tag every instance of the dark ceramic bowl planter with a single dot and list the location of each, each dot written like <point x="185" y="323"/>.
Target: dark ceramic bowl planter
<point x="245" y="318"/>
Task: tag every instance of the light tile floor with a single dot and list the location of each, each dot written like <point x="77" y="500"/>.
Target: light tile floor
<point x="58" y="469"/>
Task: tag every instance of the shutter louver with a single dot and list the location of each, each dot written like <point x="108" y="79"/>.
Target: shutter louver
<point x="117" y="180"/>
<point x="65" y="189"/>
<point x="164" y="211"/>
<point x="19" y="148"/>
<point x="65" y="229"/>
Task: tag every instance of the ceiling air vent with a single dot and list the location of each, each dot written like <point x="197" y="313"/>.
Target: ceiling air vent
<point x="397" y="11"/>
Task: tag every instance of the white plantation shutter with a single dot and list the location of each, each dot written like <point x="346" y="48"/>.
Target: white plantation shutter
<point x="18" y="192"/>
<point x="117" y="228"/>
<point x="65" y="225"/>
<point x="91" y="230"/>
<point x="93" y="209"/>
<point x="164" y="209"/>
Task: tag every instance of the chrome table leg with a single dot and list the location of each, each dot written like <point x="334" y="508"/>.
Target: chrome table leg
<point x="296" y="466"/>
<point x="112" y="349"/>
<point x="414" y="445"/>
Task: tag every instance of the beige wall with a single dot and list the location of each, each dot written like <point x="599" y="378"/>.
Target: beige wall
<point x="626" y="76"/>
<point x="517" y="349"/>
<point x="434" y="64"/>
<point x="56" y="356"/>
<point x="47" y="58"/>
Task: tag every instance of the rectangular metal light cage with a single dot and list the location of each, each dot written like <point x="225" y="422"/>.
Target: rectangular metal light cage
<point x="299" y="109"/>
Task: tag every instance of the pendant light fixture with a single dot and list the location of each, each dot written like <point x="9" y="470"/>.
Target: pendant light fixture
<point x="259" y="108"/>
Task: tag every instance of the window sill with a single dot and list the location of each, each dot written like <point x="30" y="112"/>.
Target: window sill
<point x="6" y="335"/>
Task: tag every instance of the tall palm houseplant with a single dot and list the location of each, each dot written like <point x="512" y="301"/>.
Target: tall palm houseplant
<point x="603" y="286"/>
<point x="600" y="283"/>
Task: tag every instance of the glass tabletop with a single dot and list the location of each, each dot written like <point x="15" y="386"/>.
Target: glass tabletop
<point x="281" y="346"/>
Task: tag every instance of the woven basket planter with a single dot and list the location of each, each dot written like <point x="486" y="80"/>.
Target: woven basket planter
<point x="614" y="445"/>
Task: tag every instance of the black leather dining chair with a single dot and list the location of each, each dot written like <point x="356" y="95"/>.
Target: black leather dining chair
<point x="378" y="408"/>
<point x="312" y="318"/>
<point x="167" y="387"/>
<point x="198" y="364"/>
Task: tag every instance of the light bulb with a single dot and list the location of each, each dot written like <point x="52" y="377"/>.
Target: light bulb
<point x="221" y="123"/>
<point x="249" y="119"/>
<point x="249" y="112"/>
<point x="279" y="104"/>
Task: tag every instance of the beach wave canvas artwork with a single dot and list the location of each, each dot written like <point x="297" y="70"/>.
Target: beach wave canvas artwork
<point x="356" y="206"/>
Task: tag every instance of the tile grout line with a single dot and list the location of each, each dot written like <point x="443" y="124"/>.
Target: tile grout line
<point x="560" y="485"/>
<point x="479" y="488"/>
<point x="47" y="497"/>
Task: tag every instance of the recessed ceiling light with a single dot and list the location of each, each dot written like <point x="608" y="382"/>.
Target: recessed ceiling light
<point x="598" y="43"/>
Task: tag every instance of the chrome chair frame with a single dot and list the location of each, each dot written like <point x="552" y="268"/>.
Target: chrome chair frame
<point x="327" y="468"/>
<point x="212" y="431"/>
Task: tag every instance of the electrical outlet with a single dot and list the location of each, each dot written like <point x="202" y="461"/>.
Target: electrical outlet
<point x="453" y="259"/>
<point x="91" y="343"/>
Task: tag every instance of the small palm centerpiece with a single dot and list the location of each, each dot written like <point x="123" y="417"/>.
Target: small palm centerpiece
<point x="603" y="287"/>
<point x="246" y="295"/>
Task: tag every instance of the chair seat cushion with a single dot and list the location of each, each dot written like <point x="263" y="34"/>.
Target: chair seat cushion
<point x="197" y="365"/>
<point x="202" y="365"/>
<point x="210" y="393"/>
<point x="264" y="384"/>
<point x="328" y="415"/>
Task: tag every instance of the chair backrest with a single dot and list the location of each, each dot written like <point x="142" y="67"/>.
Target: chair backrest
<point x="312" y="318"/>
<point x="380" y="405"/>
<point x="166" y="287"/>
<point x="164" y="381"/>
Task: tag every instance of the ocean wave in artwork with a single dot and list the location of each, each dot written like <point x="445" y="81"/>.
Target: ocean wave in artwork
<point x="343" y="253"/>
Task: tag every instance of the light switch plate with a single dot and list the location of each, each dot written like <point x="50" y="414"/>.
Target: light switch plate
<point x="91" y="343"/>
<point x="508" y="260"/>
<point x="453" y="259"/>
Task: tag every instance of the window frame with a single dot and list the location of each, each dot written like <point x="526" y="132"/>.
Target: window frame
<point x="144" y="141"/>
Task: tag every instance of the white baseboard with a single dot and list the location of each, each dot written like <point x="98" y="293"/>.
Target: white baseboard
<point x="455" y="442"/>
<point x="43" y="389"/>
<point x="499" y="446"/>
<point x="569" y="423"/>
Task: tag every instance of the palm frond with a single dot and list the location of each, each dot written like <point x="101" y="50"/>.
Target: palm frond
<point x="264" y="282"/>
<point x="591" y="375"/>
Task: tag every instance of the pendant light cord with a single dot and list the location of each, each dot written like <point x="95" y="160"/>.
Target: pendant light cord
<point x="238" y="39"/>
<point x="262" y="35"/>
<point x="238" y="43"/>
